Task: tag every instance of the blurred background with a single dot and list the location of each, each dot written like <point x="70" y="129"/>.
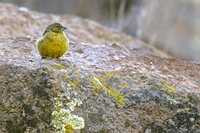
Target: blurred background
<point x="170" y="25"/>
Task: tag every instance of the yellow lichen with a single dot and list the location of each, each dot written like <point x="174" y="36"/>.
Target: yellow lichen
<point x="69" y="129"/>
<point x="109" y="75"/>
<point x="74" y="82"/>
<point x="56" y="66"/>
<point x="59" y="66"/>
<point x="168" y="87"/>
<point x="42" y="71"/>
<point x="97" y="84"/>
<point x="123" y="84"/>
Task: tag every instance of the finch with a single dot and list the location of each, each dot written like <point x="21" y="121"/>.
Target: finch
<point x="53" y="43"/>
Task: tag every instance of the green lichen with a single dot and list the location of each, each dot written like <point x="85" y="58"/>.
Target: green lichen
<point x="163" y="85"/>
<point x="143" y="76"/>
<point x="59" y="66"/>
<point x="42" y="71"/>
<point x="168" y="87"/>
<point x="73" y="103"/>
<point x="63" y="119"/>
<point x="98" y="84"/>
<point x="123" y="85"/>
<point x="56" y="66"/>
<point x="72" y="81"/>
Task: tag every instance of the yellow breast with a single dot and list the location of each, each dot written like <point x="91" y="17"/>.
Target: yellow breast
<point x="53" y="45"/>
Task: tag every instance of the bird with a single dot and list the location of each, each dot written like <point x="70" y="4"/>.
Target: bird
<point x="53" y="43"/>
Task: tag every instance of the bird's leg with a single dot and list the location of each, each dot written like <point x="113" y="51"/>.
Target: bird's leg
<point x="43" y="57"/>
<point x="59" y="59"/>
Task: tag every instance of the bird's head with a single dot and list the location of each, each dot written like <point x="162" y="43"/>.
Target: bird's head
<point x="55" y="27"/>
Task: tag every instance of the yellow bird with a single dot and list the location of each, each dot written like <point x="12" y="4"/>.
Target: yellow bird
<point x="53" y="43"/>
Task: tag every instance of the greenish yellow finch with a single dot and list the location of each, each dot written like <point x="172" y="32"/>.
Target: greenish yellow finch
<point x="53" y="43"/>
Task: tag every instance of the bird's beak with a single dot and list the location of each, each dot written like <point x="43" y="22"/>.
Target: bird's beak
<point x="63" y="28"/>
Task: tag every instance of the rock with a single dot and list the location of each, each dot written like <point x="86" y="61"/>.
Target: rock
<point x="100" y="85"/>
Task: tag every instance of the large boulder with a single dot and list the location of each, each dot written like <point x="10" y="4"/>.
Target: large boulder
<point x="100" y="85"/>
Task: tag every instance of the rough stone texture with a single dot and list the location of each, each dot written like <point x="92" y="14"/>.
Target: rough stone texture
<point x="25" y="95"/>
<point x="122" y="89"/>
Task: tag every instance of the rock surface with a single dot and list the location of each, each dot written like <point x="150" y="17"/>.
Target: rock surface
<point x="100" y="85"/>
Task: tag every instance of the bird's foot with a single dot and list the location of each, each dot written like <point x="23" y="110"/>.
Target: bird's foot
<point x="43" y="57"/>
<point x="58" y="59"/>
<point x="63" y="60"/>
